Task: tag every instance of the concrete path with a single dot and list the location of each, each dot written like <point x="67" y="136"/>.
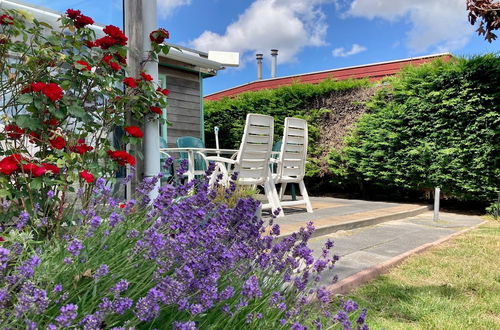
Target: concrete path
<point x="369" y="251"/>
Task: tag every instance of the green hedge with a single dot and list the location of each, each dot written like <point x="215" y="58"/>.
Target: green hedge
<point x="296" y="100"/>
<point x="436" y="125"/>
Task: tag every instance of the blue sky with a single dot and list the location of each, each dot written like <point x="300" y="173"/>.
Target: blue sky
<point x="312" y="35"/>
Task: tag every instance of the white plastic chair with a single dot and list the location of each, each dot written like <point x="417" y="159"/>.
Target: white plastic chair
<point x="291" y="163"/>
<point x="252" y="159"/>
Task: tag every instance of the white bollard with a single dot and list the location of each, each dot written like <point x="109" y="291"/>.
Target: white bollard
<point x="437" y="192"/>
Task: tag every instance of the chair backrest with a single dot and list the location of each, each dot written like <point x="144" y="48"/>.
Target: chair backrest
<point x="252" y="161"/>
<point x="191" y="142"/>
<point x="292" y="159"/>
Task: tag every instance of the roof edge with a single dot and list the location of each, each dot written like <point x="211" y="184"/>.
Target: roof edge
<point x="333" y="70"/>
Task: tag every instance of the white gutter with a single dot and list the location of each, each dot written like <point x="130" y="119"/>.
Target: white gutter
<point x="199" y="63"/>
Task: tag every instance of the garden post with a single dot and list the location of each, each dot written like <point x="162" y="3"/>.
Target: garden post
<point x="437" y="192"/>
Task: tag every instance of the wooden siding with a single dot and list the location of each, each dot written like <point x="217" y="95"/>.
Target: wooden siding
<point x="183" y="110"/>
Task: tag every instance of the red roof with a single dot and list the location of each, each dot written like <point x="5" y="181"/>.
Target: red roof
<point x="374" y="71"/>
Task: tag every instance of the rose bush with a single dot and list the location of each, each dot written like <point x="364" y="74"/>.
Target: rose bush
<point x="63" y="90"/>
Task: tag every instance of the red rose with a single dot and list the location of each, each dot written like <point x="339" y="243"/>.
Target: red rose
<point x="163" y="91"/>
<point x="53" y="91"/>
<point x="86" y="66"/>
<point x="82" y="20"/>
<point x="34" y="169"/>
<point x="122" y="206"/>
<point x="87" y="176"/>
<point x="158" y="36"/>
<point x="130" y="82"/>
<point x="115" y="66"/>
<point x="58" y="142"/>
<point x="37" y="86"/>
<point x="122" y="157"/>
<point x="51" y="122"/>
<point x="90" y="44"/>
<point x="51" y="168"/>
<point x="134" y="131"/>
<point x="73" y="14"/>
<point x="81" y="147"/>
<point x="105" y="42"/>
<point x="14" y="132"/>
<point x="156" y="110"/>
<point x="114" y="36"/>
<point x="146" y="76"/>
<point x="121" y="59"/>
<point x="2" y="239"/>
<point x="34" y="137"/>
<point x="6" y="19"/>
<point x="9" y="165"/>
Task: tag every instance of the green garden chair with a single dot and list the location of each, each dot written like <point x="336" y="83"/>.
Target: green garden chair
<point x="200" y="163"/>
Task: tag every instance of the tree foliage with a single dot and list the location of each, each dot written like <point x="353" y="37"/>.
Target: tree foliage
<point x="488" y="13"/>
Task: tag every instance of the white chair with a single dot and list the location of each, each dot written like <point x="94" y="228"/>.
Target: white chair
<point x="291" y="163"/>
<point x="252" y="159"/>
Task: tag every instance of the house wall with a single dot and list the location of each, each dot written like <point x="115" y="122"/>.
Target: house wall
<point x="184" y="107"/>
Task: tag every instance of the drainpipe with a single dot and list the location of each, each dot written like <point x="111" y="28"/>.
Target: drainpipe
<point x="259" y="66"/>
<point x="274" y="64"/>
<point x="140" y="20"/>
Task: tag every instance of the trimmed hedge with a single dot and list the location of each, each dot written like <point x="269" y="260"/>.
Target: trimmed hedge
<point x="297" y="100"/>
<point x="437" y="125"/>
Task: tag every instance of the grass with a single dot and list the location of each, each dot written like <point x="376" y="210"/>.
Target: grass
<point x="453" y="286"/>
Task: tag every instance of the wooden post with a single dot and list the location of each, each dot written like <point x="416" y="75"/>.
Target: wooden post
<point x="437" y="192"/>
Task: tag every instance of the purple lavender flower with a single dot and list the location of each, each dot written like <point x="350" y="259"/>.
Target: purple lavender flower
<point x="328" y="244"/>
<point x="31" y="300"/>
<point x="119" y="287"/>
<point x="58" y="287"/>
<point x="100" y="183"/>
<point x="101" y="271"/>
<point x="4" y="297"/>
<point x="121" y="305"/>
<point x="4" y="257"/>
<point x="146" y="309"/>
<point x="95" y="222"/>
<point x="362" y="317"/>
<point x="51" y="327"/>
<point x="114" y="219"/>
<point x="27" y="269"/>
<point x="133" y="233"/>
<point x="323" y="295"/>
<point x="349" y="306"/>
<point x="67" y="314"/>
<point x="92" y="321"/>
<point x="75" y="247"/>
<point x="183" y="167"/>
<point x="297" y="326"/>
<point x="31" y="325"/>
<point x="275" y="230"/>
<point x="23" y="220"/>
<point x="68" y="261"/>
<point x="189" y="325"/>
<point x="251" y="288"/>
<point x="51" y="194"/>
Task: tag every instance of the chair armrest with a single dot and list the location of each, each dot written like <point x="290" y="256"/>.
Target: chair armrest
<point x="220" y="159"/>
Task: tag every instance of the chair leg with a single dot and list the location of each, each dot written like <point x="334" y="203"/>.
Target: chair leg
<point x="272" y="196"/>
<point x="282" y="190"/>
<point x="305" y="196"/>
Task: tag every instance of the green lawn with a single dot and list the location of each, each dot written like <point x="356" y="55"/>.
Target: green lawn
<point x="453" y="286"/>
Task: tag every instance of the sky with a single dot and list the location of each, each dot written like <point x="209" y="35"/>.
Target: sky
<point x="311" y="35"/>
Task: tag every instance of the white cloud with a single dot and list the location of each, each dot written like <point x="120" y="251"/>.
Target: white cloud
<point x="437" y="24"/>
<point x="166" y="7"/>
<point x="341" y="52"/>
<point x="287" y="25"/>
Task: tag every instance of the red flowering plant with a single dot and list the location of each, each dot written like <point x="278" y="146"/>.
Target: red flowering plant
<point x="63" y="91"/>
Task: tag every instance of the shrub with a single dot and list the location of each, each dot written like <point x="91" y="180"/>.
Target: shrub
<point x="62" y="92"/>
<point x="186" y="262"/>
<point x="436" y="125"/>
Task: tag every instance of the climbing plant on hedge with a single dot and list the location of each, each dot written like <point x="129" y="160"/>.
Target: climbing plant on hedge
<point x="436" y="125"/>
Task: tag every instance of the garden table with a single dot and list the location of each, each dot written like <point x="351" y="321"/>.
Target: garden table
<point x="204" y="152"/>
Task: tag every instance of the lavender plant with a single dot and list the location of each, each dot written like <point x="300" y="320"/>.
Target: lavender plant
<point x="181" y="261"/>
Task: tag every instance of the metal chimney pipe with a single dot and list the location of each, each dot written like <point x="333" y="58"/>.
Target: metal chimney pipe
<point x="274" y="64"/>
<point x="259" y="66"/>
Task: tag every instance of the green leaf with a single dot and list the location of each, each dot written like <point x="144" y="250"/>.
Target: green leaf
<point x="77" y="111"/>
<point x="27" y="121"/>
<point x="25" y="98"/>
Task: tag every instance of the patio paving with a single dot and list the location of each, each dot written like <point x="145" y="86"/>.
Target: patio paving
<point x="333" y="214"/>
<point x="369" y="251"/>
